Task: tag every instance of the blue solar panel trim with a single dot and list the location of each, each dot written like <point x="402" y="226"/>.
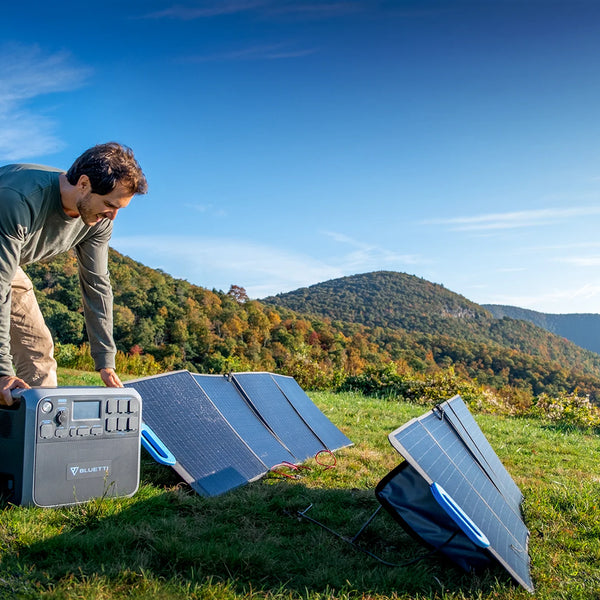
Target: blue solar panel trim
<point x="456" y="411"/>
<point x="226" y="397"/>
<point x="279" y="414"/>
<point x="432" y="447"/>
<point x="320" y="425"/>
<point x="210" y="455"/>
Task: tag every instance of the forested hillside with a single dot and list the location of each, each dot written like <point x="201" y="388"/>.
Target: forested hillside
<point x="388" y="299"/>
<point x="400" y="301"/>
<point x="456" y="330"/>
<point x="420" y="331"/>
<point x="581" y="328"/>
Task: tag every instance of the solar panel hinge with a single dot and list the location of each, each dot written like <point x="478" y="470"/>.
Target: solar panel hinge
<point x="438" y="411"/>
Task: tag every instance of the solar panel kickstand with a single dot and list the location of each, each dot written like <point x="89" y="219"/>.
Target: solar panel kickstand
<point x="352" y="541"/>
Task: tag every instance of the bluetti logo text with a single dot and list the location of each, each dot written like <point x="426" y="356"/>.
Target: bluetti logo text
<point x="88" y="469"/>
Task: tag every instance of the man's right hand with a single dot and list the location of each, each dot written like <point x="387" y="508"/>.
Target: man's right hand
<point x="8" y="383"/>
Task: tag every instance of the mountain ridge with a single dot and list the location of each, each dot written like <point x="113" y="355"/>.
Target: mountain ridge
<point x="412" y="324"/>
<point x="394" y="299"/>
<point x="582" y="329"/>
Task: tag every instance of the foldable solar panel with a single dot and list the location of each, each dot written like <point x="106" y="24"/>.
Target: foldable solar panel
<point x="446" y="448"/>
<point x="331" y="437"/>
<point x="268" y="400"/>
<point x="210" y="454"/>
<point x="244" y="419"/>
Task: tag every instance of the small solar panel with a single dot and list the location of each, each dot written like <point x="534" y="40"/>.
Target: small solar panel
<point x="226" y="397"/>
<point x="210" y="455"/>
<point x="331" y="437"/>
<point x="268" y="400"/>
<point x="449" y="454"/>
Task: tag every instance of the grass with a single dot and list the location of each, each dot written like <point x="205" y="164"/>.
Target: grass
<point x="169" y="543"/>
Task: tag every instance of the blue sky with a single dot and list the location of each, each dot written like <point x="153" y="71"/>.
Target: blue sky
<point x="292" y="142"/>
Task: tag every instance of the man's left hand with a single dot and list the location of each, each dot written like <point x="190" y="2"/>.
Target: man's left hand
<point x="110" y="378"/>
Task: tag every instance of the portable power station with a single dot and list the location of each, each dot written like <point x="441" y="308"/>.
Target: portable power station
<point x="67" y="445"/>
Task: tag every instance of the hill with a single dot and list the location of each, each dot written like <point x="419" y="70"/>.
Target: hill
<point x="365" y="326"/>
<point x="387" y="299"/>
<point x="582" y="329"/>
<point x="400" y="301"/>
<point x="457" y="330"/>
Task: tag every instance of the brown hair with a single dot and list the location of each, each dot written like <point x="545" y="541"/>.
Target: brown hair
<point x="106" y="165"/>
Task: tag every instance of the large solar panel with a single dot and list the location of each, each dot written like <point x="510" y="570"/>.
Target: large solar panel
<point x="268" y="400"/>
<point x="331" y="437"/>
<point x="244" y="419"/>
<point x="210" y="455"/>
<point x="450" y="452"/>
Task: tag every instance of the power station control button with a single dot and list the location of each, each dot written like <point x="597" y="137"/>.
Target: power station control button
<point x="83" y="431"/>
<point x="62" y="417"/>
<point x="96" y="430"/>
<point x="72" y="431"/>
<point x="46" y="431"/>
<point x="61" y="432"/>
<point x="46" y="406"/>
<point x="111" y="406"/>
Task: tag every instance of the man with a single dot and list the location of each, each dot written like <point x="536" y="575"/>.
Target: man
<point x="44" y="212"/>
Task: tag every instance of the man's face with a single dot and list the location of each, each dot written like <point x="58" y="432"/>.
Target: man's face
<point x="94" y="207"/>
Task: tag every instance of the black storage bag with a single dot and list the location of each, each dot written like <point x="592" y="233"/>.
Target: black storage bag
<point x="408" y="498"/>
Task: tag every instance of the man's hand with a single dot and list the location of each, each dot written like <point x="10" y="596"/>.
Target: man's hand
<point x="8" y="383"/>
<point x="110" y="378"/>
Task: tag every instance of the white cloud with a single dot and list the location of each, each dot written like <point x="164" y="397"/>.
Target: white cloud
<point x="207" y="209"/>
<point x="366" y="256"/>
<point x="220" y="262"/>
<point x="261" y="269"/>
<point x="25" y="73"/>
<point x="581" y="261"/>
<point x="262" y="52"/>
<point x="515" y="219"/>
<point x="269" y="8"/>
<point x="208" y="9"/>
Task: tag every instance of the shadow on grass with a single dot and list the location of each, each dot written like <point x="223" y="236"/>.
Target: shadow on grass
<point x="250" y="538"/>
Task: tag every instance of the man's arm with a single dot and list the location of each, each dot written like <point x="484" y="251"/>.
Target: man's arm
<point x="96" y="290"/>
<point x="13" y="224"/>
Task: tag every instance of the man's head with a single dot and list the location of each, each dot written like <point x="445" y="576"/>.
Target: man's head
<point x="104" y="179"/>
<point x="107" y="165"/>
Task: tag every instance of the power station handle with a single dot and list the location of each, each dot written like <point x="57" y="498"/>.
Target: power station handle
<point x="456" y="513"/>
<point x="157" y="450"/>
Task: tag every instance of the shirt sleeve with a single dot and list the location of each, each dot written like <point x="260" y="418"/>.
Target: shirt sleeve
<point x="14" y="222"/>
<point x="96" y="290"/>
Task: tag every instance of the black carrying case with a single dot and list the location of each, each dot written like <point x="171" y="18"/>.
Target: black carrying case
<point x="408" y="498"/>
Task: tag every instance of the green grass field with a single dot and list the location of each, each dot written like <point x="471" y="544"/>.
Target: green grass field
<point x="166" y="542"/>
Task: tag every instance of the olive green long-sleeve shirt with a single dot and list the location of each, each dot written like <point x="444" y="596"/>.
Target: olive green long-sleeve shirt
<point x="34" y="226"/>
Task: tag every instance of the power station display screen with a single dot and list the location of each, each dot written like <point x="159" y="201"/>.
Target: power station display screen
<point x="87" y="409"/>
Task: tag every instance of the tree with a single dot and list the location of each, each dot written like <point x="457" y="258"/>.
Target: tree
<point x="238" y="294"/>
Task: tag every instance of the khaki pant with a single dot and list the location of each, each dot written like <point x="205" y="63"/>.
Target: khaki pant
<point x="31" y="343"/>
